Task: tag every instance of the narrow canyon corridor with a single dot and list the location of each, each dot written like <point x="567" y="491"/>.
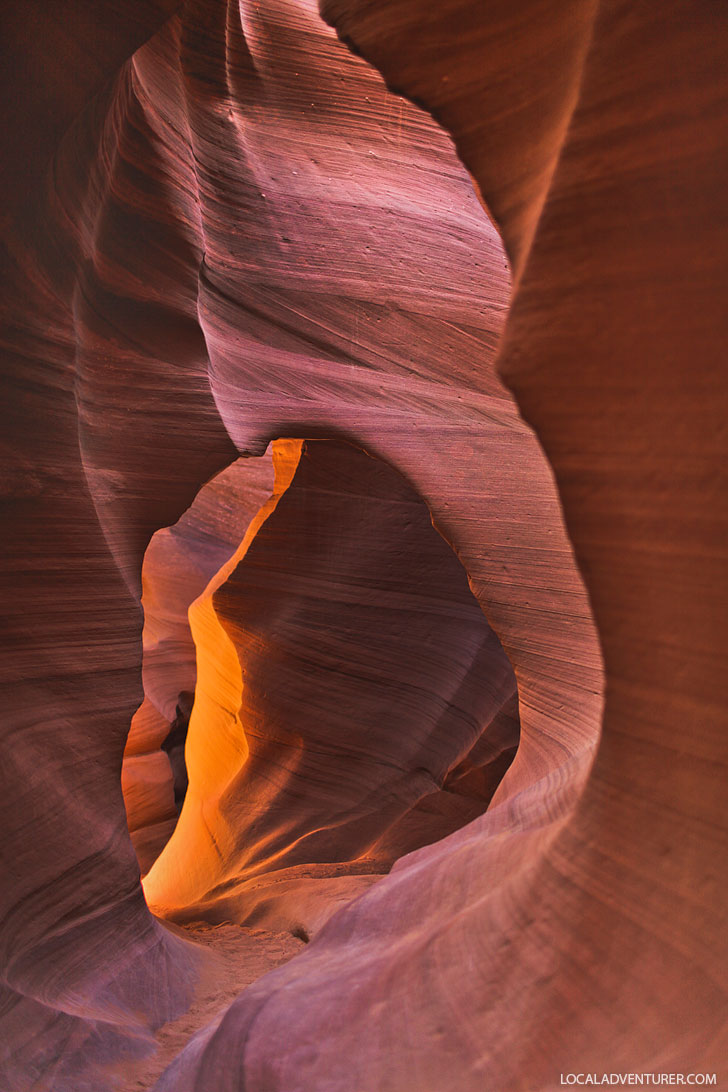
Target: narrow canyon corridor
<point x="352" y="704"/>
<point x="364" y="545"/>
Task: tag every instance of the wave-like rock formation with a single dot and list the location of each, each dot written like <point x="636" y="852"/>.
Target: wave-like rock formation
<point x="179" y="563"/>
<point x="346" y="685"/>
<point x="220" y="229"/>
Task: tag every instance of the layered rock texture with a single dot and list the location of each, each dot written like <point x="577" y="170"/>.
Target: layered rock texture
<point x="179" y="563"/>
<point x="352" y="702"/>
<point x="222" y="229"/>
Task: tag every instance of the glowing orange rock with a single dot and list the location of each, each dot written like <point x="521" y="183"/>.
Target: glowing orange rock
<point x="345" y="670"/>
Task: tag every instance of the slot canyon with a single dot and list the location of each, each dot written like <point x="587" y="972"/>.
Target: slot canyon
<point x="364" y="545"/>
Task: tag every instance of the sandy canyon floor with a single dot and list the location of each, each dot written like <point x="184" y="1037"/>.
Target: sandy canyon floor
<point x="240" y="956"/>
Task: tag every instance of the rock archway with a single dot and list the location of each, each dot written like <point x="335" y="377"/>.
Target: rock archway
<point x="352" y="703"/>
<point x="220" y="227"/>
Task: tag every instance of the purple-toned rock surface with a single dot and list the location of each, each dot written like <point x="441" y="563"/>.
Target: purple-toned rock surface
<point x="235" y="234"/>
<point x="341" y="684"/>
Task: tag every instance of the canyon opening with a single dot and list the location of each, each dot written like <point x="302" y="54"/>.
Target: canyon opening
<point x="352" y="702"/>
<point x="364" y="545"/>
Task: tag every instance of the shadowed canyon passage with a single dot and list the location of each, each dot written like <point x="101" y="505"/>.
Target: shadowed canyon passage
<point x="353" y="704"/>
<point x="179" y="563"/>
<point x="222" y="227"/>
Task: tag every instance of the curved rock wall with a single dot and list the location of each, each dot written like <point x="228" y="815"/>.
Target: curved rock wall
<point x="244" y="236"/>
<point x="613" y="349"/>
<point x="178" y="564"/>
<point x="345" y="282"/>
<point x="345" y="671"/>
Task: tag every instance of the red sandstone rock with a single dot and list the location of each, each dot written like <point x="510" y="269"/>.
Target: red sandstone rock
<point x="363" y="673"/>
<point x="245" y="236"/>
<point x="178" y="564"/>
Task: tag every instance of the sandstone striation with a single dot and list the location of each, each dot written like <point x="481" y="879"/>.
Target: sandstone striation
<point x="341" y="683"/>
<point x="178" y="564"/>
<point x="223" y="228"/>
